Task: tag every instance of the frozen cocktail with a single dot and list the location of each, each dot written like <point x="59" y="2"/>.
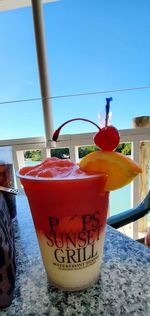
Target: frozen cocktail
<point x="69" y="210"/>
<point x="69" y="205"/>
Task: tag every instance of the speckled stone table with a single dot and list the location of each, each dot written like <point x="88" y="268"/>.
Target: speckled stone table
<point x="123" y="287"/>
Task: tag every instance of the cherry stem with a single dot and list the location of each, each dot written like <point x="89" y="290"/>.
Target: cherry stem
<point x="108" y="100"/>
<point x="57" y="131"/>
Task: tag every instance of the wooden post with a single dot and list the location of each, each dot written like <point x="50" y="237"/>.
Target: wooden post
<point x="143" y="121"/>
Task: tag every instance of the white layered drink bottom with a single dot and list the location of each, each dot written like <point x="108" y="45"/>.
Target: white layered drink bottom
<point x="72" y="268"/>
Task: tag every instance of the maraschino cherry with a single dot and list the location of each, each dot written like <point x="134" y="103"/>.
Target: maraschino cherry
<point x="107" y="138"/>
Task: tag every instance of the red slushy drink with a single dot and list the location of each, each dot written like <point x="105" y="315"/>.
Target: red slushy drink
<point x="69" y="204"/>
<point x="69" y="210"/>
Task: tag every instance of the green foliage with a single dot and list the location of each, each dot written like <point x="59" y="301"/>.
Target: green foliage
<point x="34" y="155"/>
<point x="84" y="150"/>
<point x="124" y="148"/>
<point x="61" y="153"/>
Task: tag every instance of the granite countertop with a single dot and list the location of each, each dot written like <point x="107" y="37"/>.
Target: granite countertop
<point x="123" y="287"/>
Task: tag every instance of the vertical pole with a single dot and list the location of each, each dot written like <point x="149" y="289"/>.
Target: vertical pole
<point x="73" y="153"/>
<point x="43" y="69"/>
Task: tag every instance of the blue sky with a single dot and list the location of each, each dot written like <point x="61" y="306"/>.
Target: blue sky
<point x="91" y="46"/>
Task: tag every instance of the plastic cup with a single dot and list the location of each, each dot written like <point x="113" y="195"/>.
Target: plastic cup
<point x="69" y="217"/>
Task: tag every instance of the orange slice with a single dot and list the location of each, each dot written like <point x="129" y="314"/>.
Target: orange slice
<point x="120" y="169"/>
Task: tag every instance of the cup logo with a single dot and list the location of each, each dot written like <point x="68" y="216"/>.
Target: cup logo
<point x="74" y="240"/>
